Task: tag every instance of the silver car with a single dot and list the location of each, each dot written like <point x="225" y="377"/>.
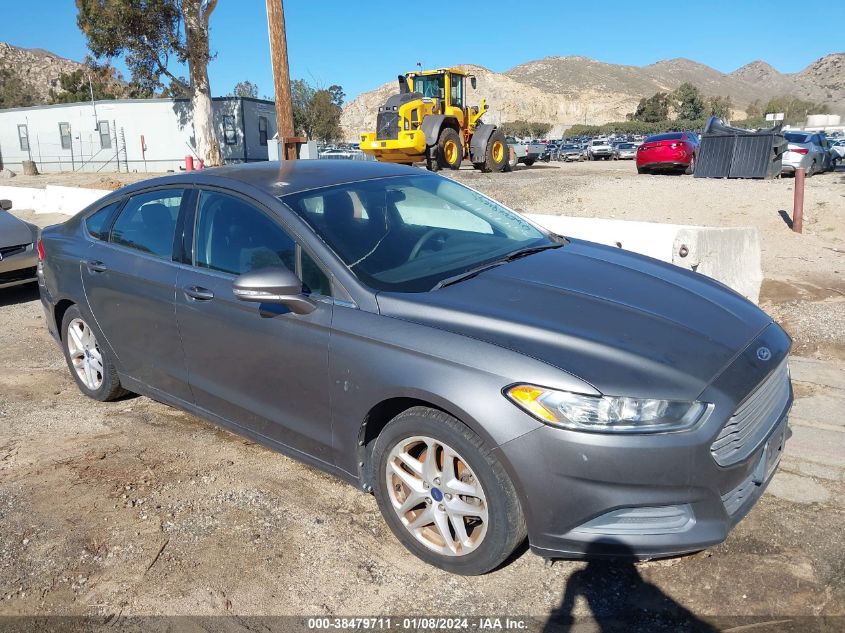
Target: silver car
<point x="804" y="150"/>
<point x="625" y="151"/>
<point x="18" y="257"/>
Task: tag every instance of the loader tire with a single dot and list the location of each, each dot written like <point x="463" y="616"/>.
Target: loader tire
<point x="450" y="149"/>
<point x="497" y="153"/>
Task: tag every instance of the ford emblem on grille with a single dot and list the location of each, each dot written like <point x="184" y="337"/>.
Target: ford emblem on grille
<point x="764" y="353"/>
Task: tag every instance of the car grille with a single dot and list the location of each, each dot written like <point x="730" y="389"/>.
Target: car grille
<point x="387" y="125"/>
<point x="753" y="419"/>
<point x="8" y="251"/>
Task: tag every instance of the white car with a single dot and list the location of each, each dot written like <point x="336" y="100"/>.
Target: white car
<point x="804" y="150"/>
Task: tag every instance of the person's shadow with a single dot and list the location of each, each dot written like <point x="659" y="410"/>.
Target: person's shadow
<point x="619" y="599"/>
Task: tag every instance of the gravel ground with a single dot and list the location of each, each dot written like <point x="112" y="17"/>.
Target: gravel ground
<point x="135" y="508"/>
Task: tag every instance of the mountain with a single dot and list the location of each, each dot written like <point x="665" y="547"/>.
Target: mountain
<point x="37" y="69"/>
<point x="575" y="89"/>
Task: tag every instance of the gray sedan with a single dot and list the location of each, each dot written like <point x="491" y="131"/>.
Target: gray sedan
<point x="486" y="380"/>
<point x="18" y="257"/>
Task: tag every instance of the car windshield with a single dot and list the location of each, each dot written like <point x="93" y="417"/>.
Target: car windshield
<point x="430" y="86"/>
<point x="795" y="138"/>
<point x="409" y="233"/>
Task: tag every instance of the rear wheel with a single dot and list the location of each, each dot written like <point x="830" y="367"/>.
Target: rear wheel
<point x="89" y="364"/>
<point x="528" y="162"/>
<point x="513" y="161"/>
<point x="444" y="496"/>
<point x="642" y="170"/>
<point x="450" y="149"/>
<point x="497" y="153"/>
<point x="691" y="167"/>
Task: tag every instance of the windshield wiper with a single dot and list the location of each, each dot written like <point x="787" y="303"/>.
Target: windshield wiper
<point x="472" y="272"/>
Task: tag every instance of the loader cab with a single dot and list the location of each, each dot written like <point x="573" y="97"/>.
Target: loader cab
<point x="447" y="87"/>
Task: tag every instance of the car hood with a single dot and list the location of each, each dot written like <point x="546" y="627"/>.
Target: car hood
<point x="625" y="323"/>
<point x="13" y="231"/>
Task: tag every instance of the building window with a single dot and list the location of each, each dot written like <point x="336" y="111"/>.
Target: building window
<point x="262" y="130"/>
<point x="105" y="134"/>
<point x="230" y="136"/>
<point x="64" y="133"/>
<point x="23" y="137"/>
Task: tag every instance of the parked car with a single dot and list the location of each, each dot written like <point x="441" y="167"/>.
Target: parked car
<point x="837" y="146"/>
<point x="404" y="332"/>
<point x="672" y="151"/>
<point x="570" y="152"/>
<point x="526" y="153"/>
<point x="805" y="150"/>
<point x="599" y="149"/>
<point x="18" y="256"/>
<point x="626" y="151"/>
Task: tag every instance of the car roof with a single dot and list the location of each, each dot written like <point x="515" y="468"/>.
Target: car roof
<point x="279" y="178"/>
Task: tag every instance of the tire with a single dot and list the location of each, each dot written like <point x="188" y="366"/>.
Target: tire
<point x="496" y="539"/>
<point x="642" y="170"/>
<point x="690" y="170"/>
<point x="496" y="155"/>
<point x="450" y="149"/>
<point x="528" y="162"/>
<point x="90" y="366"/>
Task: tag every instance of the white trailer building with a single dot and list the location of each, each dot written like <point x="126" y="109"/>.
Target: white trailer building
<point x="149" y="135"/>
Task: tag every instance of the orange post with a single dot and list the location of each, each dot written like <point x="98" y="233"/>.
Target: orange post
<point x="798" y="202"/>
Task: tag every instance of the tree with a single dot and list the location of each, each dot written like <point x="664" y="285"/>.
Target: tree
<point x="14" y="92"/>
<point x="688" y="101"/>
<point x="75" y="86"/>
<point x="653" y="109"/>
<point x="719" y="106"/>
<point x="754" y="109"/>
<point x="301" y="94"/>
<point x="337" y="95"/>
<point x="245" y="89"/>
<point x="325" y="117"/>
<point x="795" y="110"/>
<point x="524" y="129"/>
<point x="148" y="34"/>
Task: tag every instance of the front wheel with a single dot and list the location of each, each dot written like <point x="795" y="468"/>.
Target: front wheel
<point x="450" y="149"/>
<point x="444" y="496"/>
<point x="497" y="153"/>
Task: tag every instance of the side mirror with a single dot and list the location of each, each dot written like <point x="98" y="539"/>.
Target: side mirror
<point x="5" y="205"/>
<point x="472" y="81"/>
<point x="273" y="285"/>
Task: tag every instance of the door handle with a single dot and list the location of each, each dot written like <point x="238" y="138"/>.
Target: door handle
<point x="96" y="266"/>
<point x="198" y="293"/>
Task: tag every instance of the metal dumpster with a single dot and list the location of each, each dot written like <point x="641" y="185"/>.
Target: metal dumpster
<point x="730" y="152"/>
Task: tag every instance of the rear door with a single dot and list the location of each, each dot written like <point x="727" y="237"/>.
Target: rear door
<point x="129" y="278"/>
<point x="257" y="365"/>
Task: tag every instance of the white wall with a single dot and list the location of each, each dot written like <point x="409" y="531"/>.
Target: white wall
<point x="165" y="125"/>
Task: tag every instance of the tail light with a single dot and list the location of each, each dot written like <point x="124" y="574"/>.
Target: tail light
<point x="40" y="249"/>
<point x="799" y="150"/>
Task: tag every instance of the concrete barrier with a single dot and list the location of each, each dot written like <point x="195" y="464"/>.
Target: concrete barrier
<point x="730" y="255"/>
<point x="52" y="198"/>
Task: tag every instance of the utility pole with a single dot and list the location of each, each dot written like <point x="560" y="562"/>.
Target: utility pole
<point x="288" y="143"/>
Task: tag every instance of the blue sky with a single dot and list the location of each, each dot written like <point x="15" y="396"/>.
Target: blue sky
<point x="360" y="44"/>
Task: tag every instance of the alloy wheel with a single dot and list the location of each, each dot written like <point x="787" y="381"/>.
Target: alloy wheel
<point x="85" y="355"/>
<point x="436" y="496"/>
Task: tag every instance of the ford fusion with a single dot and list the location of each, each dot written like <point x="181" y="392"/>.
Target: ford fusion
<point x="485" y="379"/>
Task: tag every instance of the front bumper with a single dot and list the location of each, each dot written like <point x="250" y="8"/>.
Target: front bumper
<point x="18" y="268"/>
<point x="647" y="496"/>
<point x="410" y="145"/>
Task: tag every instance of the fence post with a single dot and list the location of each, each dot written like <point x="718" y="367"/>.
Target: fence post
<point x="798" y="201"/>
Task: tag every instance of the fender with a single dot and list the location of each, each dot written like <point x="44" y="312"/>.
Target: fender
<point x="433" y="123"/>
<point x="478" y="142"/>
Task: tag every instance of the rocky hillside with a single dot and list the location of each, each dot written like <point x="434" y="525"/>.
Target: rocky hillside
<point x="39" y="70"/>
<point x="569" y="90"/>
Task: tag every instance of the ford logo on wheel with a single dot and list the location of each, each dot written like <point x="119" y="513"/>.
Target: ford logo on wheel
<point x="764" y="353"/>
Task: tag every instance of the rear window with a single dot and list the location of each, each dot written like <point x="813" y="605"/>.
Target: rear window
<point x="626" y="145"/>
<point x="672" y="136"/>
<point x="795" y="138"/>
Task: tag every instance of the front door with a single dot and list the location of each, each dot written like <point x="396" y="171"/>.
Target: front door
<point x="129" y="279"/>
<point x="257" y="365"/>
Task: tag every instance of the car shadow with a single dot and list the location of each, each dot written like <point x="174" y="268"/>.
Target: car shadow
<point x="18" y="294"/>
<point x="619" y="598"/>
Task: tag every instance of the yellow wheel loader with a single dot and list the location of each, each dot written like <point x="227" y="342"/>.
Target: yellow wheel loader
<point x="429" y="120"/>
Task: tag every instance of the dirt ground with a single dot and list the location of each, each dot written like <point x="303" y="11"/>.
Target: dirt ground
<point x="135" y="508"/>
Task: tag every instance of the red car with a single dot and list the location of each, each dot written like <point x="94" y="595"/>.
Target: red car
<point x="673" y="151"/>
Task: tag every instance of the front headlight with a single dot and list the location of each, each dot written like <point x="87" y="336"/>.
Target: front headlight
<point x="604" y="414"/>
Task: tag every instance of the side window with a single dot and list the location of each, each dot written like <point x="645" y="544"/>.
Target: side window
<point x="23" y="137"/>
<point x="313" y="277"/>
<point x="98" y="222"/>
<point x="148" y="222"/>
<point x="230" y="135"/>
<point x="64" y="135"/>
<point x="457" y="90"/>
<point x="105" y="134"/>
<point x="235" y="237"/>
<point x="262" y="130"/>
